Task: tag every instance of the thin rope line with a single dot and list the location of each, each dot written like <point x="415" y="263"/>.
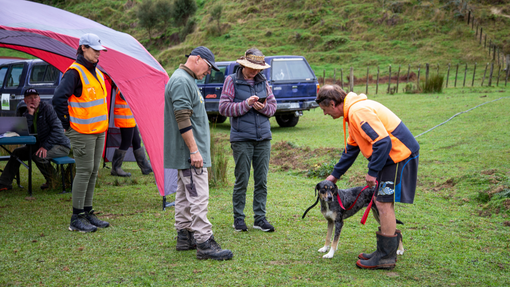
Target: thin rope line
<point x="457" y="114"/>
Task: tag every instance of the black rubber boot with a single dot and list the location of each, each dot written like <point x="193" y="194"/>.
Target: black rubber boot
<point x="366" y="256"/>
<point x="212" y="250"/>
<point x="80" y="223"/>
<point x="186" y="240"/>
<point x="92" y="218"/>
<point x="118" y="158"/>
<point x="142" y="161"/>
<point x="385" y="256"/>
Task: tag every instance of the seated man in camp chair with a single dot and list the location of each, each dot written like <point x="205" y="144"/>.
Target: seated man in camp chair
<point x="51" y="141"/>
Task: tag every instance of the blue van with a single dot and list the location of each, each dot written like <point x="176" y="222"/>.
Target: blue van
<point x="19" y="75"/>
<point x="291" y="78"/>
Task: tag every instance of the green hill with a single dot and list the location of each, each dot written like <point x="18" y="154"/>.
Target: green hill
<point x="331" y="34"/>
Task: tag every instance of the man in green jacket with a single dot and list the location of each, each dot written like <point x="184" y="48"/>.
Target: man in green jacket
<point x="187" y="149"/>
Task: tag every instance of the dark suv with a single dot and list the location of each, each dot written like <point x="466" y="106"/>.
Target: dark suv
<point x="18" y="75"/>
<point x="291" y="78"/>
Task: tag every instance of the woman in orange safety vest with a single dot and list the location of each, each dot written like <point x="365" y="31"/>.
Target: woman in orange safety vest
<point x="124" y="120"/>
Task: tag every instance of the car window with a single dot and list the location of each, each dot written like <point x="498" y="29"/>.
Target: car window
<point x="3" y="71"/>
<point x="290" y="70"/>
<point x="43" y="73"/>
<point x="217" y="77"/>
<point x="14" y="77"/>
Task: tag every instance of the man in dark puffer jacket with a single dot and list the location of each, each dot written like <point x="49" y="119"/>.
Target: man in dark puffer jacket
<point x="51" y="141"/>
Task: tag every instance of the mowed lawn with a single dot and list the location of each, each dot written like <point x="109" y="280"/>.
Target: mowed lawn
<point x="452" y="235"/>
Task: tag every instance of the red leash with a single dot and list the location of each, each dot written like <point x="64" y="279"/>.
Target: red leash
<point x="367" y="211"/>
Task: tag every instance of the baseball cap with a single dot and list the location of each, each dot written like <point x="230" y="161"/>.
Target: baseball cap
<point x="93" y="41"/>
<point x="31" y="91"/>
<point x="205" y="54"/>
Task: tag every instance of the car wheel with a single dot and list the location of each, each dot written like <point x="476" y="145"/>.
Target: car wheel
<point x="217" y="119"/>
<point x="287" y="121"/>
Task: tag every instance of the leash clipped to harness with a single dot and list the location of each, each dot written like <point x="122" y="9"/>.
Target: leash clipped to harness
<point x="367" y="211"/>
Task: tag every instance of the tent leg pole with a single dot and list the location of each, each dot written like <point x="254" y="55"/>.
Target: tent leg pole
<point x="165" y="204"/>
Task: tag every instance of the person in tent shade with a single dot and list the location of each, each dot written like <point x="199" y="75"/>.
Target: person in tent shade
<point x="392" y="153"/>
<point x="51" y="141"/>
<point x="80" y="103"/>
<point x="187" y="149"/>
<point x="125" y="121"/>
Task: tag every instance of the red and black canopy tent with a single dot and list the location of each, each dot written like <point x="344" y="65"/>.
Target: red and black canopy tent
<point x="53" y="34"/>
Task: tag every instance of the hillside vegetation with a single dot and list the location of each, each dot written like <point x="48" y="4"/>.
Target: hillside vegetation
<point x="331" y="34"/>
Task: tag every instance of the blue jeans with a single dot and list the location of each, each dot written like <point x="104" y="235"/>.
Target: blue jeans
<point x="246" y="154"/>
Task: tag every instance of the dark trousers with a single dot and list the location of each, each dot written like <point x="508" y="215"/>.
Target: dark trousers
<point x="130" y="136"/>
<point x="43" y="164"/>
<point x="246" y="154"/>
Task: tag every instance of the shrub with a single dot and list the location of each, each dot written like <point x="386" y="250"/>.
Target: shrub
<point x="433" y="85"/>
<point x="188" y="29"/>
<point x="218" y="170"/>
<point x="183" y="10"/>
<point x="148" y="16"/>
<point x="322" y="170"/>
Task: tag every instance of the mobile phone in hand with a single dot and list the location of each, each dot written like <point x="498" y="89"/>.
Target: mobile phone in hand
<point x="261" y="100"/>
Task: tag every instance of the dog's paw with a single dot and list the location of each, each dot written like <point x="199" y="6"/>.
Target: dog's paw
<point x="400" y="252"/>
<point x="324" y="249"/>
<point x="329" y="255"/>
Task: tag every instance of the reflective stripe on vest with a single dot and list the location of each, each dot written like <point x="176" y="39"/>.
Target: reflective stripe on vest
<point x="122" y="115"/>
<point x="88" y="114"/>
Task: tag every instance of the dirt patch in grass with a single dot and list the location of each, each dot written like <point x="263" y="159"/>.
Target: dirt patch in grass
<point x="286" y="156"/>
<point x="447" y="184"/>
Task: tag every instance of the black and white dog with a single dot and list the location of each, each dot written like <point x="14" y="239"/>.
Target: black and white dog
<point x="352" y="201"/>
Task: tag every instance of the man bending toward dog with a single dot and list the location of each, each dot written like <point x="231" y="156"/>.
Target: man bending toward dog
<point x="392" y="153"/>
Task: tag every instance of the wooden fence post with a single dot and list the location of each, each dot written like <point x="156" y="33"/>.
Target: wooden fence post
<point x="469" y="17"/>
<point x="342" y="78"/>
<point x="494" y="53"/>
<point x="456" y="72"/>
<point x="507" y="73"/>
<point x="448" y="75"/>
<point x="490" y="46"/>
<point x="366" y="90"/>
<point x="351" y="80"/>
<point x="377" y="83"/>
<point x="474" y="71"/>
<point x="408" y="70"/>
<point x="398" y="77"/>
<point x="490" y="74"/>
<point x="389" y="81"/>
<point x="485" y="41"/>
<point x="465" y="73"/>
<point x="484" y="73"/>
<point x="499" y="71"/>
<point x="418" y="80"/>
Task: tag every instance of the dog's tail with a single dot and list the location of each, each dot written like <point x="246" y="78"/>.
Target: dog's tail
<point x="399" y="222"/>
<point x="317" y="201"/>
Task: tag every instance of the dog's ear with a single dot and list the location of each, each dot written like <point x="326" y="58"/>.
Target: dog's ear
<point x="317" y="188"/>
<point x="335" y="190"/>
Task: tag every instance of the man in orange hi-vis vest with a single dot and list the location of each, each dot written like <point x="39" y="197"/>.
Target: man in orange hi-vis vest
<point x="80" y="103"/>
<point x="125" y="121"/>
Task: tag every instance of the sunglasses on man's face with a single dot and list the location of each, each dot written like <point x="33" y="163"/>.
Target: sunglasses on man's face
<point x="208" y="64"/>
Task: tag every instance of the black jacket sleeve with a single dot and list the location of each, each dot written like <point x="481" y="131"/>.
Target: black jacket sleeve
<point x="346" y="160"/>
<point x="69" y="85"/>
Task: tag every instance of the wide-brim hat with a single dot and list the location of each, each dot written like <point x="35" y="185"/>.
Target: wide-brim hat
<point x="253" y="62"/>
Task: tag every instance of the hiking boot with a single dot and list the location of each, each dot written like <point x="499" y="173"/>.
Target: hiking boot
<point x="385" y="256"/>
<point x="263" y="225"/>
<point x="118" y="158"/>
<point x="212" y="250"/>
<point x="92" y="218"/>
<point x="366" y="256"/>
<point x="239" y="225"/>
<point x="80" y="223"/>
<point x="186" y="240"/>
<point x="5" y="187"/>
<point x="142" y="161"/>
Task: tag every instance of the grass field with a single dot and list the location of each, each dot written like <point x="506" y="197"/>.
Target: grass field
<point x="453" y="234"/>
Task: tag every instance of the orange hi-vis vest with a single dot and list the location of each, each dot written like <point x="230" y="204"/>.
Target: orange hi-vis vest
<point x="88" y="114"/>
<point x="122" y="115"/>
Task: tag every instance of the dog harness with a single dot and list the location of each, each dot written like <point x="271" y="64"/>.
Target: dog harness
<point x="367" y="211"/>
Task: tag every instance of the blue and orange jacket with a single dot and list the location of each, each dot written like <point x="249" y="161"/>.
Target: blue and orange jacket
<point x="375" y="131"/>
